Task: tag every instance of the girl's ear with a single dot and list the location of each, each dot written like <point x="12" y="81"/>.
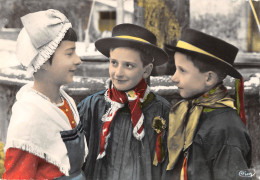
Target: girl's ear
<point x="211" y="78"/>
<point x="45" y="65"/>
<point x="147" y="70"/>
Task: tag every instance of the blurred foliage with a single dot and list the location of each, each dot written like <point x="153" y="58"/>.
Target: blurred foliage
<point x="2" y="158"/>
<point x="219" y="25"/>
<point x="161" y="20"/>
<point x="12" y="10"/>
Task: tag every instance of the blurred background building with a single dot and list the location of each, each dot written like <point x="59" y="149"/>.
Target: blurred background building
<point x="231" y="20"/>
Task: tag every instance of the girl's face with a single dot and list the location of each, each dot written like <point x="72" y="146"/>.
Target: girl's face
<point x="126" y="68"/>
<point x="189" y="79"/>
<point x="64" y="63"/>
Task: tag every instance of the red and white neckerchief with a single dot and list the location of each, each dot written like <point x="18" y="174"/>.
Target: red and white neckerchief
<point x="118" y="99"/>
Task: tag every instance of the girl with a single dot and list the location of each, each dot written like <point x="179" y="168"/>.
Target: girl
<point x="45" y="139"/>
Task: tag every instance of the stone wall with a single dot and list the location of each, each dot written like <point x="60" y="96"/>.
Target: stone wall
<point x="162" y="85"/>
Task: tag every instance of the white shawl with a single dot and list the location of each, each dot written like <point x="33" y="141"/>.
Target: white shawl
<point x="35" y="127"/>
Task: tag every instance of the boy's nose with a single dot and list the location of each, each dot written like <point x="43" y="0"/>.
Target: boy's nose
<point x="119" y="72"/>
<point x="175" y="78"/>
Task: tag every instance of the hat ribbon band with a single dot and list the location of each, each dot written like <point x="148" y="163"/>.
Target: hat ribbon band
<point x="134" y="38"/>
<point x="187" y="46"/>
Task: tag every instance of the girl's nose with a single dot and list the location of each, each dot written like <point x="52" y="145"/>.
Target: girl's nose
<point x="77" y="60"/>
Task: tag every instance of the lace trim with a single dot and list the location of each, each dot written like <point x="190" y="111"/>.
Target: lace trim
<point x="113" y="107"/>
<point x="47" y="50"/>
<point x="26" y="146"/>
<point x="48" y="99"/>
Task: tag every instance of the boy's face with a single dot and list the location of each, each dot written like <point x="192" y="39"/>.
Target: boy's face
<point x="189" y="79"/>
<point x="126" y="68"/>
<point x="64" y="63"/>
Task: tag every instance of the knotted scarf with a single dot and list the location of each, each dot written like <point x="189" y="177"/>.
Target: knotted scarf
<point x="184" y="118"/>
<point x="118" y="99"/>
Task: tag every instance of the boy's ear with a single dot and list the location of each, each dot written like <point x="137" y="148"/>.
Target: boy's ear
<point x="147" y="70"/>
<point x="211" y="78"/>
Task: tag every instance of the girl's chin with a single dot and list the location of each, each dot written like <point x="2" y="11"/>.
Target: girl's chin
<point x="69" y="80"/>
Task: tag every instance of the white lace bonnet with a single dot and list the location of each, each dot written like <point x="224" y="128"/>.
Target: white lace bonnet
<point x="39" y="38"/>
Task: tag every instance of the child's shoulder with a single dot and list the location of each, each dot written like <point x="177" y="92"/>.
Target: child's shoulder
<point x="98" y="96"/>
<point x="221" y="112"/>
<point x="160" y="99"/>
<point x="221" y="127"/>
<point x="224" y="117"/>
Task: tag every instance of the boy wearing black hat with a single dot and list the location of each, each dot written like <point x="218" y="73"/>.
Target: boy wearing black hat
<point x="125" y="124"/>
<point x="206" y="137"/>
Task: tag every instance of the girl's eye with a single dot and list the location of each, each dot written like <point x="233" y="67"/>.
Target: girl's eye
<point x="70" y="53"/>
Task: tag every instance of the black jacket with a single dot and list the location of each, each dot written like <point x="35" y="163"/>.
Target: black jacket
<point x="126" y="158"/>
<point x="221" y="148"/>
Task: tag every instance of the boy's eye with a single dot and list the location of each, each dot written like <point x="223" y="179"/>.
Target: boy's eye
<point x="129" y="66"/>
<point x="113" y="62"/>
<point x="181" y="69"/>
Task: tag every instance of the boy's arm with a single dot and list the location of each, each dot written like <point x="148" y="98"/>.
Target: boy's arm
<point x="89" y="110"/>
<point x="83" y="109"/>
<point x="165" y="115"/>
<point x="221" y="147"/>
<point x="229" y="162"/>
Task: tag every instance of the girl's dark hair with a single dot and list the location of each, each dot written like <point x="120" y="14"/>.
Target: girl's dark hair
<point x="69" y="36"/>
<point x="145" y="57"/>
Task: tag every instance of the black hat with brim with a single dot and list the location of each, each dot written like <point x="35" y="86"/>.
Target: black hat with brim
<point x="133" y="36"/>
<point x="207" y="48"/>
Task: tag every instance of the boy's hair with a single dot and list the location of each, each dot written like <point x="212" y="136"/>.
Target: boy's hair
<point x="145" y="57"/>
<point x="204" y="65"/>
<point x="69" y="36"/>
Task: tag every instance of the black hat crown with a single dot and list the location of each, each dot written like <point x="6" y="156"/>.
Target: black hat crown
<point x="131" y="35"/>
<point x="203" y="45"/>
<point x="132" y="30"/>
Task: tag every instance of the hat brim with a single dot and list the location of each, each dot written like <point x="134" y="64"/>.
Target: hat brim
<point x="105" y="44"/>
<point x="228" y="68"/>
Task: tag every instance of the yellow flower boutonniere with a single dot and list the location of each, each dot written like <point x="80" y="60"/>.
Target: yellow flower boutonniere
<point x="131" y="94"/>
<point x="159" y="124"/>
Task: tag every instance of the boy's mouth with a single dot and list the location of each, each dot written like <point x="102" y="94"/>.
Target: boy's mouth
<point x="120" y="81"/>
